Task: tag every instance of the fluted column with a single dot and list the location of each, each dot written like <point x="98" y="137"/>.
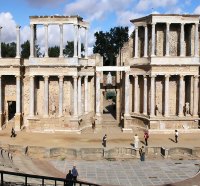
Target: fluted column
<point x="86" y="43"/>
<point x="145" y="40"/>
<point x="46" y="40"/>
<point x="61" y="95"/>
<point x="75" y="96"/>
<point x="181" y="85"/>
<point x="32" y="92"/>
<point x="61" y="40"/>
<point x="152" y="95"/>
<point x="18" y="95"/>
<point x="0" y="95"/>
<point x="46" y="96"/>
<point x="153" y="39"/>
<point x="18" y="42"/>
<point x="136" y="106"/>
<point x="75" y="39"/>
<point x="0" y="41"/>
<point x="32" y="44"/>
<point x="136" y="42"/>
<point x="196" y="42"/>
<point x="145" y="96"/>
<point x="196" y="95"/>
<point x="127" y="85"/>
<point x="166" y="96"/>
<point x="79" y="96"/>
<point x="182" y="52"/>
<point x="167" y="39"/>
<point x="79" y="42"/>
<point x="98" y="94"/>
<point x="86" y="94"/>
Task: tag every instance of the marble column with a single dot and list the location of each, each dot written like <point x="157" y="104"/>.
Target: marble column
<point x="75" y="39"/>
<point x="86" y="94"/>
<point x="191" y="94"/>
<point x="181" y="104"/>
<point x="167" y="39"/>
<point x="136" y="42"/>
<point x="153" y="43"/>
<point x="136" y="106"/>
<point x="152" y="112"/>
<point x="18" y="42"/>
<point x="196" y="95"/>
<point x="61" y="40"/>
<point x="61" y="95"/>
<point x="166" y="113"/>
<point x="145" y="96"/>
<point x="79" y="42"/>
<point x="32" y="43"/>
<point x="46" y="40"/>
<point x="86" y="43"/>
<point x="79" y="96"/>
<point x="0" y="95"/>
<point x="0" y="41"/>
<point x="98" y="93"/>
<point x="32" y="95"/>
<point x="46" y="96"/>
<point x="127" y="85"/>
<point x="75" y="96"/>
<point x="18" y="95"/>
<point x="196" y="41"/>
<point x="145" y="40"/>
<point x="182" y="44"/>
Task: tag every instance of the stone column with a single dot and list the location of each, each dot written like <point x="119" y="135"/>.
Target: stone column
<point x="61" y="95"/>
<point x="79" y="42"/>
<point x="18" y="95"/>
<point x="79" y="96"/>
<point x="196" y="45"/>
<point x="136" y="42"/>
<point x="136" y="106"/>
<point x="191" y="94"/>
<point x="166" y="96"/>
<point x="32" y="95"/>
<point x="145" y="96"/>
<point x="145" y="40"/>
<point x="152" y="95"/>
<point x="182" y="52"/>
<point x="86" y="94"/>
<point x="61" y="40"/>
<point x="46" y="96"/>
<point x="181" y="85"/>
<point x="86" y="43"/>
<point x="18" y="42"/>
<point x="167" y="39"/>
<point x="75" y="39"/>
<point x="0" y="96"/>
<point x="0" y="41"/>
<point x="98" y="93"/>
<point x="75" y="96"/>
<point x="127" y="84"/>
<point x="153" y="39"/>
<point x="32" y="43"/>
<point x="46" y="40"/>
<point x="195" y="105"/>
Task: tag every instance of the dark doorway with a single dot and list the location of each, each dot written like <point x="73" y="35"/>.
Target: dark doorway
<point x="11" y="109"/>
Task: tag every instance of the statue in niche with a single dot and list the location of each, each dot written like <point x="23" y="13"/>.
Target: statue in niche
<point x="157" y="110"/>
<point x="53" y="109"/>
<point x="109" y="79"/>
<point x="187" y="108"/>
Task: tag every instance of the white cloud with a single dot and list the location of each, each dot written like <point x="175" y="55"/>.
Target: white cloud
<point x="197" y="10"/>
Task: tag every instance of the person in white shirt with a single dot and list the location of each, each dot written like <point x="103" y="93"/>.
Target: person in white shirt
<point x="136" y="141"/>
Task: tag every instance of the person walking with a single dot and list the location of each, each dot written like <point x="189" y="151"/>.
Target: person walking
<point x="176" y="136"/>
<point x="69" y="179"/>
<point x="136" y="141"/>
<point x="146" y="137"/>
<point x="13" y="134"/>
<point x="104" y="140"/>
<point x="75" y="174"/>
<point x="142" y="153"/>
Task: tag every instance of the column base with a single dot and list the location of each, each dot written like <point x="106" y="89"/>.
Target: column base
<point x="98" y="121"/>
<point x="18" y="121"/>
<point x="180" y="115"/>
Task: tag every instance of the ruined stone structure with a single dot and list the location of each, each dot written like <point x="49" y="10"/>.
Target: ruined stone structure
<point x="156" y="82"/>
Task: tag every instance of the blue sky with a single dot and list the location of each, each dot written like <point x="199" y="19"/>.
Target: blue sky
<point x="102" y="14"/>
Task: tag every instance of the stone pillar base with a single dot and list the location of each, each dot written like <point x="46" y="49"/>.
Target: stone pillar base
<point x="126" y="126"/>
<point x="17" y="121"/>
<point x="98" y="122"/>
<point x="74" y="123"/>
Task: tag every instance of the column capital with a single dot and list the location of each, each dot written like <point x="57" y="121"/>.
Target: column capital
<point x="98" y="74"/>
<point x="60" y="78"/>
<point x="196" y="76"/>
<point x="18" y="27"/>
<point x="31" y="76"/>
<point x="46" y="25"/>
<point x="167" y="76"/>
<point x="168" y="24"/>
<point x="136" y="27"/>
<point x="75" y="77"/>
<point x="153" y="76"/>
<point x="86" y="76"/>
<point x="144" y="76"/>
<point x="135" y="76"/>
<point x="17" y="76"/>
<point x="46" y="77"/>
<point x="181" y="76"/>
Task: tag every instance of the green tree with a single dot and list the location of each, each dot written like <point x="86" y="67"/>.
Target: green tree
<point x="8" y="49"/>
<point x="25" y="52"/>
<point x="109" y="44"/>
<point x="69" y="49"/>
<point x="54" y="51"/>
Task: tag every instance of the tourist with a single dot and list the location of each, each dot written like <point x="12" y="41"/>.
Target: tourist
<point x="146" y="137"/>
<point x="75" y="174"/>
<point x="142" y="153"/>
<point x="13" y="134"/>
<point x="136" y="141"/>
<point x="104" y="140"/>
<point x="69" y="179"/>
<point x="176" y="136"/>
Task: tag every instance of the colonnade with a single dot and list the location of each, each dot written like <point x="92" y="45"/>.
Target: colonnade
<point x="167" y="37"/>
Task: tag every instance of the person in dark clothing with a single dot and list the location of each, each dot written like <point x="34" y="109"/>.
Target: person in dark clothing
<point x="13" y="134"/>
<point x="146" y="137"/>
<point x="104" y="140"/>
<point x="69" y="179"/>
